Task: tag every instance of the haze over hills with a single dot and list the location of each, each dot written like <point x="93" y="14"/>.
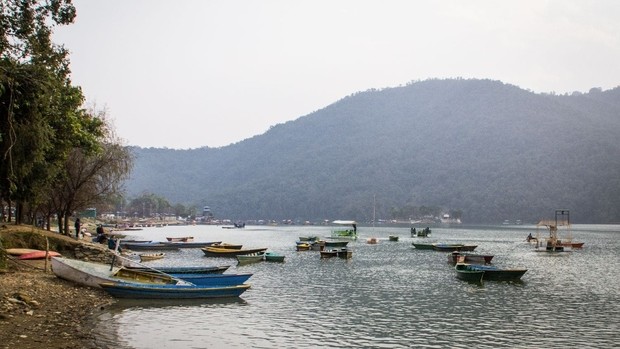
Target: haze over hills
<point x="490" y="150"/>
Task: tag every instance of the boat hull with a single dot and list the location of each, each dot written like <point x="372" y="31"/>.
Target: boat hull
<point x="272" y="257"/>
<point x="470" y="275"/>
<point x="422" y="246"/>
<point x="225" y="252"/>
<point x="129" y="290"/>
<point x="93" y="274"/>
<point x="453" y="247"/>
<point x="152" y="246"/>
<point x="186" y="270"/>
<point x="248" y="259"/>
<point x="493" y="273"/>
<point x="146" y="257"/>
<point x="39" y="255"/>
<point x="457" y="257"/>
<point x="214" y="279"/>
<point x="336" y="244"/>
<point x="198" y="244"/>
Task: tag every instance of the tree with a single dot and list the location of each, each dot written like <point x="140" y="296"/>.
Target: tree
<point x="40" y="116"/>
<point x="91" y="176"/>
<point x="148" y="205"/>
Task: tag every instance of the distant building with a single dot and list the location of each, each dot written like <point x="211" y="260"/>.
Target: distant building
<point x="448" y="220"/>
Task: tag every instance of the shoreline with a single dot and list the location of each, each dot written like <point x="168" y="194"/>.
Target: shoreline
<point x="39" y="310"/>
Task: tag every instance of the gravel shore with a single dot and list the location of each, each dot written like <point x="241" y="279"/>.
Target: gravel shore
<point x="39" y="310"/>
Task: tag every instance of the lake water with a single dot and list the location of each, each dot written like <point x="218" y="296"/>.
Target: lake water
<point x="389" y="295"/>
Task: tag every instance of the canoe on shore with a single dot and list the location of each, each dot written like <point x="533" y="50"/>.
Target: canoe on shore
<point x="39" y="255"/>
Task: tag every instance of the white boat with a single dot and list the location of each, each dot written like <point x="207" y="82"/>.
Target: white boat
<point x="93" y="274"/>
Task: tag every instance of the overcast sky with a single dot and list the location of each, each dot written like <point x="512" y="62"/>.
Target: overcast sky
<point x="187" y="74"/>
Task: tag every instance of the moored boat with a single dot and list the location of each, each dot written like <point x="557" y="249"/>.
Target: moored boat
<point x="345" y="233"/>
<point x="195" y="244"/>
<point x="273" y="257"/>
<point x="302" y="246"/>
<point x="372" y="240"/>
<point x="214" y="279"/>
<point x="148" y="246"/>
<point x="393" y="237"/>
<point x="556" y="242"/>
<point x="329" y="253"/>
<point x="228" y="246"/>
<point x="145" y="257"/>
<point x="226" y="252"/>
<point x="453" y="247"/>
<point x="493" y="273"/>
<point x="420" y="246"/>
<point x="468" y="274"/>
<point x="249" y="258"/>
<point x="572" y="244"/>
<point x="343" y="253"/>
<point x="308" y="238"/>
<point x="460" y="257"/>
<point x="144" y="291"/>
<point x="92" y="274"/>
<point x="336" y="244"/>
<point x="318" y="245"/>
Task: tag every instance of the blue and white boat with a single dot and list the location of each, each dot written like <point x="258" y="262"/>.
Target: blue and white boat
<point x="146" y="291"/>
<point x="214" y="279"/>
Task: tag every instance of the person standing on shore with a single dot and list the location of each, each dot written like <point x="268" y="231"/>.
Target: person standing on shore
<point x="78" y="225"/>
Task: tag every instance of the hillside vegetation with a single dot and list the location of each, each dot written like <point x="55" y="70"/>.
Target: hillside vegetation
<point x="491" y="150"/>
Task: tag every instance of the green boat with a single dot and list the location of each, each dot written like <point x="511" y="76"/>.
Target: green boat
<point x="250" y="258"/>
<point x="419" y="246"/>
<point x="463" y="272"/>
<point x="341" y="232"/>
<point x="273" y="257"/>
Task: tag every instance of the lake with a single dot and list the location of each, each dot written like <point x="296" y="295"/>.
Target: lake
<point x="389" y="295"/>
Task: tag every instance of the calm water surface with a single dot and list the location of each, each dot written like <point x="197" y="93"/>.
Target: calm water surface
<point x="389" y="295"/>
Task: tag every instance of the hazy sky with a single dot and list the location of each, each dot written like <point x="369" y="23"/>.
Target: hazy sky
<point x="186" y="74"/>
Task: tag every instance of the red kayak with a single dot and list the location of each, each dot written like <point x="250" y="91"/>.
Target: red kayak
<point x="39" y="255"/>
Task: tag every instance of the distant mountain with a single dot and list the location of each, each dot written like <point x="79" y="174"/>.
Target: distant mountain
<point x="491" y="150"/>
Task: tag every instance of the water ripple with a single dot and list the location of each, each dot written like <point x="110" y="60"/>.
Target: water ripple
<point x="389" y="295"/>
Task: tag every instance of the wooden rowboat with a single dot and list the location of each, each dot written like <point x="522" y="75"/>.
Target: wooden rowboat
<point x="92" y="274"/>
<point x="226" y="252"/>
<point x="228" y="246"/>
<point x="144" y="291"/>
<point x="460" y="257"/>
<point x="273" y="257"/>
<point x="249" y="258"/>
<point x="145" y="257"/>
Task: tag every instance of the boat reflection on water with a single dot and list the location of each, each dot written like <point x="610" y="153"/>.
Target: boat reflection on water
<point x="124" y="303"/>
<point x="111" y="332"/>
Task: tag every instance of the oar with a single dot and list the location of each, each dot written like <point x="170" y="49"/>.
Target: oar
<point x="179" y="280"/>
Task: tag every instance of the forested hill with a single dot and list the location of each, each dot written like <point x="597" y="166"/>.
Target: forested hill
<point x="491" y="150"/>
